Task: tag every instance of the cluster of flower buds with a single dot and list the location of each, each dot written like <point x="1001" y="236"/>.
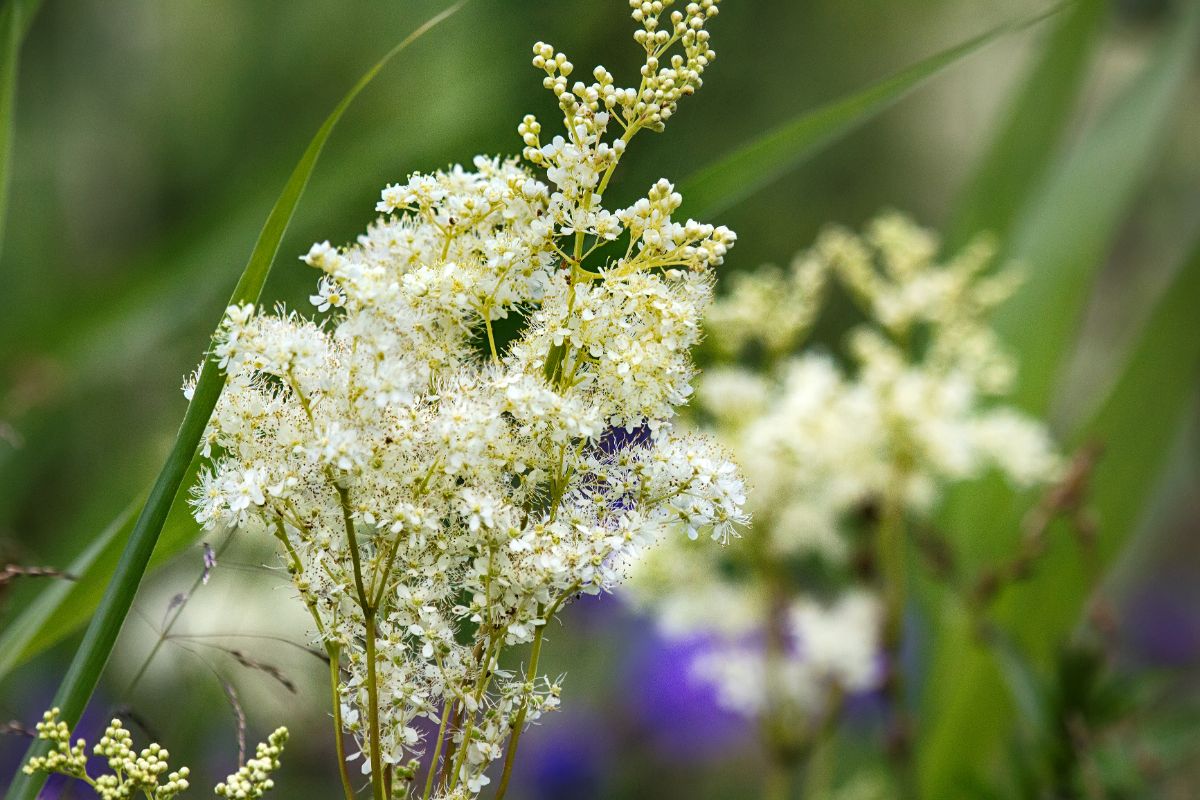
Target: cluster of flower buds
<point x="140" y="773"/>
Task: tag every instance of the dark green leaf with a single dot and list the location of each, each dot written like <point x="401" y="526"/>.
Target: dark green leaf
<point x="1135" y="425"/>
<point x="64" y="606"/>
<point x="67" y="598"/>
<point x="1065" y="233"/>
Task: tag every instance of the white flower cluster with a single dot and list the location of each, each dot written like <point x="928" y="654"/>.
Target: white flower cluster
<point x="826" y="446"/>
<point x="442" y="485"/>
<point x="824" y="648"/>
<point x="139" y="773"/>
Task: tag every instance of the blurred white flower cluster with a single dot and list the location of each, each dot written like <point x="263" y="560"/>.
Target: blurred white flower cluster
<point x="827" y="445"/>
<point x="480" y="429"/>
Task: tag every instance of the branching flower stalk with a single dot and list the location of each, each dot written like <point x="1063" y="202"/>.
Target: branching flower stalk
<point x="134" y="772"/>
<point x="440" y="492"/>
<point x="845" y="457"/>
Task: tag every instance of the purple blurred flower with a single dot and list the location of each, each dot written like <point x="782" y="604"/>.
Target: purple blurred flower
<point x="566" y="759"/>
<point x="1163" y="621"/>
<point x="678" y="713"/>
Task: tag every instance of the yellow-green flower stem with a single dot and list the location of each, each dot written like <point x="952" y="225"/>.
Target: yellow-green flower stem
<point x="459" y="708"/>
<point x="491" y="336"/>
<point x="370" y="634"/>
<point x="494" y="641"/>
<point x="437" y="752"/>
<point x="373" y="705"/>
<point x="335" y="679"/>
<point x="332" y="651"/>
<point x="554" y="372"/>
<point x="510" y="755"/>
<point x="780" y="781"/>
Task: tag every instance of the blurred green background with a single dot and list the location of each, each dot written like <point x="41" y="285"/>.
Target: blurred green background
<point x="151" y="139"/>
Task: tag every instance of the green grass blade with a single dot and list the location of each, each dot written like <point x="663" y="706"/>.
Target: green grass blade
<point x="63" y="607"/>
<point x="15" y="19"/>
<point x="1030" y="130"/>
<point x="1070" y="226"/>
<point x="84" y="671"/>
<point x="63" y="597"/>
<point x="755" y="165"/>
<point x="1064" y="233"/>
<point x="1136" y="424"/>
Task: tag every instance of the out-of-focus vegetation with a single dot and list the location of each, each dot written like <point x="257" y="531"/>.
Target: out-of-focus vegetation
<point x="150" y="141"/>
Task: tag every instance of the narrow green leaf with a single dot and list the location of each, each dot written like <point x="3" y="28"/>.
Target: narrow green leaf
<point x="101" y="634"/>
<point x="1069" y="227"/>
<point x="15" y="19"/>
<point x="64" y="607"/>
<point x="1030" y="130"/>
<point x="1022" y="682"/>
<point x="1063" y="234"/>
<point x="769" y="157"/>
<point x="45" y="614"/>
<point x="1136" y="425"/>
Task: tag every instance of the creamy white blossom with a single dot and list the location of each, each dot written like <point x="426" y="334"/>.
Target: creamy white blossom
<point x="440" y="491"/>
<point x="826" y="442"/>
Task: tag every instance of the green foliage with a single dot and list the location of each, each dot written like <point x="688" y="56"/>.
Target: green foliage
<point x="1062" y="235"/>
<point x="1135" y="425"/>
<point x="1026" y="138"/>
<point x="15" y="19"/>
<point x="1058" y="212"/>
<point x="101" y="634"/>
<point x="1067" y="228"/>
<point x="60" y="610"/>
<point x="755" y="165"/>
<point x="63" y="606"/>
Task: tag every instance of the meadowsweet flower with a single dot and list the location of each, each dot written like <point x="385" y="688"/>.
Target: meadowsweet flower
<point x="440" y="494"/>
<point x="254" y="779"/>
<point x="825" y="443"/>
<point x="145" y="772"/>
<point x="826" y="648"/>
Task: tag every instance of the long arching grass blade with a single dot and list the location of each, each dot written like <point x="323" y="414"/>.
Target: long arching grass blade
<point x="15" y="19"/>
<point x="1070" y="225"/>
<point x="1064" y="232"/>
<point x="1029" y="132"/>
<point x="769" y="157"/>
<point x="101" y="634"/>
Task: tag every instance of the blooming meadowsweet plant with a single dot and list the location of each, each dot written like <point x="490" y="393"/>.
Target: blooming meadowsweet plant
<point x="140" y="773"/>
<point x="441" y="489"/>
<point x="841" y="456"/>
